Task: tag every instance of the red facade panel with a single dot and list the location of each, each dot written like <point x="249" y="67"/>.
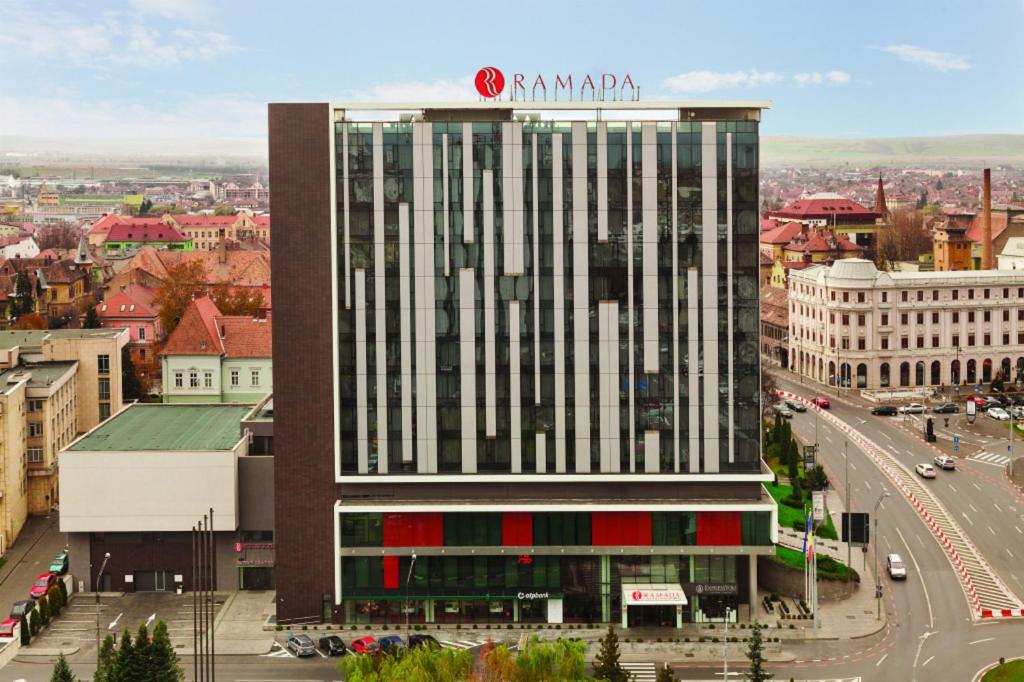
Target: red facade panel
<point x="719" y="528"/>
<point x="425" y="529"/>
<point x="391" y="573"/>
<point x="620" y="528"/>
<point x="517" y="529"/>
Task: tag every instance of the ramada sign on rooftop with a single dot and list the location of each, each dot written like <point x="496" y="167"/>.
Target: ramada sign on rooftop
<point x="490" y="83"/>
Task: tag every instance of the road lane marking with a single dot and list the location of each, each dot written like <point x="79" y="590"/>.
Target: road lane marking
<point x="1019" y="530"/>
<point x="917" y="567"/>
<point x="114" y="624"/>
<point x="885" y="434"/>
<point x="149" y="621"/>
<point x="991" y="531"/>
<point x="881" y="660"/>
<point x="919" y="539"/>
<point x="979" y="641"/>
<point x="968" y="518"/>
<point x="997" y="507"/>
<point x="928" y="661"/>
<point x="868" y="484"/>
<point x="973" y="509"/>
<point x="828" y="439"/>
<point x="853" y="466"/>
<point x="951" y="487"/>
<point x="1009" y="552"/>
<point x="976" y="485"/>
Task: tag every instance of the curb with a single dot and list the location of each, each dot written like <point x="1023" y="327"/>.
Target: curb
<point x="981" y="673"/>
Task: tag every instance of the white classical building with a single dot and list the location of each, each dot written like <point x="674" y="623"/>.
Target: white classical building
<point x="851" y="323"/>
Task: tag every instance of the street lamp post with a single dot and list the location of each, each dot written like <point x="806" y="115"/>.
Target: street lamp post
<point x="96" y="591"/>
<point x="408" y="577"/>
<point x="725" y="651"/>
<point x="878" y="578"/>
<point x="849" y="500"/>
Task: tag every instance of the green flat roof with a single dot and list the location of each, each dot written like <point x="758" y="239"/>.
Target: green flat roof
<point x="167" y="427"/>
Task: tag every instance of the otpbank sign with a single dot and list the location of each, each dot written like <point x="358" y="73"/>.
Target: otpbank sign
<point x="490" y="83"/>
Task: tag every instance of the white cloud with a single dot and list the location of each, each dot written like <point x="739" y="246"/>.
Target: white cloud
<point x="442" y="90"/>
<point x="172" y="9"/>
<point x="707" y="81"/>
<point x="101" y="41"/>
<point x="940" y="61"/>
<point x="819" y="78"/>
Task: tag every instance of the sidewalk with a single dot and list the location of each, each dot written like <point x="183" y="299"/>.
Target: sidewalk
<point x="238" y="625"/>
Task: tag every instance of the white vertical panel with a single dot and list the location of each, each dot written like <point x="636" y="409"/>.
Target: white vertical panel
<point x="362" y="415"/>
<point x="652" y="448"/>
<point x="674" y="355"/>
<point x="405" y="328"/>
<point x="514" y="388"/>
<point x="731" y="445"/>
<point x="444" y="200"/>
<point x="426" y="363"/>
<point x="629" y="295"/>
<point x="379" y="301"/>
<point x="608" y="384"/>
<point x="540" y="444"/>
<point x="709" y="300"/>
<point x="418" y="312"/>
<point x="467" y="367"/>
<point x="581" y="295"/>
<point x="345" y="222"/>
<point x="508" y="228"/>
<point x="536" y="273"/>
<point x="518" y="218"/>
<point x="558" y="256"/>
<point x="649" y="212"/>
<point x="602" y="181"/>
<point x="490" y="388"/>
<point x="692" y="368"/>
<point x="468" y="234"/>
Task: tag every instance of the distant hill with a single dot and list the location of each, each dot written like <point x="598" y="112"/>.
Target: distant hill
<point x="952" y="150"/>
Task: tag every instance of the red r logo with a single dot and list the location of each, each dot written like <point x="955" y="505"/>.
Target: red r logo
<point x="489" y="81"/>
<point x="638" y="595"/>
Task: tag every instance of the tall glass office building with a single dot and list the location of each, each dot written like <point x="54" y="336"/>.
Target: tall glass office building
<point x="524" y="355"/>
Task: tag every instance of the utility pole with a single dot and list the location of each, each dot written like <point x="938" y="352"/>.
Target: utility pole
<point x="849" y="500"/>
<point x="408" y="577"/>
<point x="725" y="652"/>
<point x="96" y="589"/>
<point x="878" y="578"/>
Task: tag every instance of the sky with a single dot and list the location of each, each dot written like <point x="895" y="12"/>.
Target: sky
<point x="89" y="69"/>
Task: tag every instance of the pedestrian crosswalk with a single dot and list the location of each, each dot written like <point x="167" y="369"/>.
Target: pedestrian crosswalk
<point x="992" y="458"/>
<point x="462" y="643"/>
<point x="640" y="672"/>
<point x="278" y="651"/>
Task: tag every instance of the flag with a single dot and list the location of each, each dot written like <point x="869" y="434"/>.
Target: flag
<point x="810" y="548"/>
<point x="807" y="530"/>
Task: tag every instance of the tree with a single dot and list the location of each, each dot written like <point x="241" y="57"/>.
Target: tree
<point x="904" y="238"/>
<point x="224" y="209"/>
<point x="131" y="387"/>
<point x="29" y="321"/>
<point x="755" y="654"/>
<point x="769" y="393"/>
<point x="62" y="671"/>
<point x="163" y="661"/>
<point x="665" y="674"/>
<point x="23" y="302"/>
<point x="26" y="633"/>
<point x="817" y="478"/>
<point x="606" y="665"/>
<point x="58" y="236"/>
<point x="185" y="282"/>
<point x="63" y="589"/>
<point x="237" y="300"/>
<point x="142" y="651"/>
<point x="53" y="599"/>
<point x="92" y="319"/>
<point x="145" y="206"/>
<point x="44" y="610"/>
<point x="106" y="662"/>
<point x="423" y="664"/>
<point x="127" y="667"/>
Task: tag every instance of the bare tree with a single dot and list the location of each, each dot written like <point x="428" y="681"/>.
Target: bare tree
<point x="904" y="238"/>
<point x="58" y="236"/>
<point x="769" y="393"/>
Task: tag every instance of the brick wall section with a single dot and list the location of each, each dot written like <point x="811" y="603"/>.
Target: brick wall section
<point x="303" y="394"/>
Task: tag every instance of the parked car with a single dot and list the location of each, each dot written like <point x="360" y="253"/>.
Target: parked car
<point x="23" y="607"/>
<point x="783" y="411"/>
<point x="945" y="462"/>
<point x="998" y="413"/>
<point x="42" y="585"/>
<point x="333" y="646"/>
<point x="796" y="405"/>
<point x="1017" y="399"/>
<point x="300" y="645"/>
<point x="391" y="644"/>
<point x="925" y="470"/>
<point x="416" y="641"/>
<point x="59" y="564"/>
<point x="1017" y="411"/>
<point x="821" y="401"/>
<point x="1000" y="400"/>
<point x="912" y="408"/>
<point x="946" y="408"/>
<point x="884" y="410"/>
<point x="897" y="569"/>
<point x="364" y="645"/>
<point x="980" y="402"/>
<point x="7" y="627"/>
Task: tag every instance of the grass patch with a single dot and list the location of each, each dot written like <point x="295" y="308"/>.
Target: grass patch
<point x="828" y="567"/>
<point x="1007" y="672"/>
<point x="788" y="516"/>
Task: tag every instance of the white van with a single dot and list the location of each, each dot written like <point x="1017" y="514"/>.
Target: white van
<point x="897" y="569"/>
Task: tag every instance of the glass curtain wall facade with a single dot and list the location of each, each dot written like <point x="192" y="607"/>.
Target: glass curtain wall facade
<point x="530" y="297"/>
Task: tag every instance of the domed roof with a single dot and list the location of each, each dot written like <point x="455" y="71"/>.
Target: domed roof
<point x="853" y="268"/>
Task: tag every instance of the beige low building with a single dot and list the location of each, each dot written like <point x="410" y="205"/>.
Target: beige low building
<point x="13" y="479"/>
<point x="854" y="325"/>
<point x="51" y="423"/>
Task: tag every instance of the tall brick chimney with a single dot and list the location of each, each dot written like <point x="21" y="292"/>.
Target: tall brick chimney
<point x="986" y="220"/>
<point x="222" y="252"/>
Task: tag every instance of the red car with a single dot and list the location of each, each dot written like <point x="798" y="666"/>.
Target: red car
<point x="365" y="645"/>
<point x="821" y="401"/>
<point x="42" y="585"/>
<point x="7" y="627"/>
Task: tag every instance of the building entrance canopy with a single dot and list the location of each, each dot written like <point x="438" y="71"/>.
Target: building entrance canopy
<point x="657" y="594"/>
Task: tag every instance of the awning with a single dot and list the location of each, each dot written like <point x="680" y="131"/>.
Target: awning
<point x="656" y="594"/>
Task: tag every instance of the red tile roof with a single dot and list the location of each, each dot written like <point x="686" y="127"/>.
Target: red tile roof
<point x="818" y="242"/>
<point x="147" y="232"/>
<point x="976" y="231"/>
<point x="244" y="337"/>
<point x="190" y="220"/>
<point x="783" y="234"/>
<point x="127" y="304"/>
<point x="204" y="331"/>
<point x="819" y="206"/>
<point x="243" y="268"/>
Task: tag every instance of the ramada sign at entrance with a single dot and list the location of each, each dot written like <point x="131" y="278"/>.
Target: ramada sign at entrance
<point x="490" y="83"/>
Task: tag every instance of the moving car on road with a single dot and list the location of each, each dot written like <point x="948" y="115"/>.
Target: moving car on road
<point x="301" y="645"/>
<point x="783" y="411"/>
<point x="884" y="410"/>
<point x="365" y="645"/>
<point x="795" y="405"/>
<point x="925" y="470"/>
<point x="946" y="408"/>
<point x="945" y="462"/>
<point x="897" y="569"/>
<point x="912" y="408"/>
<point x="391" y="644"/>
<point x="416" y="641"/>
<point x="42" y="585"/>
<point x="821" y="401"/>
<point x="998" y="413"/>
<point x="333" y="646"/>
